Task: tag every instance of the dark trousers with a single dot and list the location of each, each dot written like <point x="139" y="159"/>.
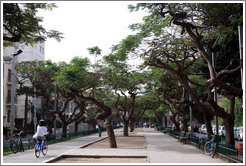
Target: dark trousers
<point x="99" y="132"/>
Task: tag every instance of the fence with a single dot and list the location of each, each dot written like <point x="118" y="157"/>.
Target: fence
<point x="29" y="142"/>
<point x="221" y="149"/>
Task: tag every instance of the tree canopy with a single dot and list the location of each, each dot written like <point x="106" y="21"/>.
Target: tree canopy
<point x="176" y="42"/>
<point x="21" y="24"/>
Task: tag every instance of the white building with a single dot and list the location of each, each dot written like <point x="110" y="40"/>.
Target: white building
<point x="30" y="53"/>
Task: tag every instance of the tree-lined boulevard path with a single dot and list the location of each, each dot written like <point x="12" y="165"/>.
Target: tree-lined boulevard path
<point x="160" y="148"/>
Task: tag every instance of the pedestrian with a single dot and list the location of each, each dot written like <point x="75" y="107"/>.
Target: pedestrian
<point x="99" y="130"/>
<point x="8" y="134"/>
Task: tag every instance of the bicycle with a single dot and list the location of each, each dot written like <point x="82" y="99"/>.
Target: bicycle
<point x="17" y="144"/>
<point x="41" y="145"/>
<point x="211" y="146"/>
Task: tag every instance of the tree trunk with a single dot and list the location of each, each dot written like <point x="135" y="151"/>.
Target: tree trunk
<point x="228" y="123"/>
<point x="185" y="126"/>
<point x="26" y="112"/>
<point x="76" y="127"/>
<point x="177" y="125"/>
<point x="125" y="131"/>
<point x="207" y="120"/>
<point x="111" y="136"/>
<point x="173" y="119"/>
<point x="165" y="121"/>
<point x="64" y="130"/>
<point x="131" y="126"/>
<point x="106" y="114"/>
<point x="77" y="122"/>
<point x="159" y="119"/>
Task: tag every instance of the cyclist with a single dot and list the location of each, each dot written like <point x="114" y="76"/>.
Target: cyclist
<point x="41" y="130"/>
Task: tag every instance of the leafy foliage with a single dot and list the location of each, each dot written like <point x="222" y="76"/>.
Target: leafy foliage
<point x="238" y="109"/>
<point x="21" y="24"/>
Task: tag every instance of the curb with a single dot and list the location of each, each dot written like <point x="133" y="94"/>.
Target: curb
<point x="63" y="154"/>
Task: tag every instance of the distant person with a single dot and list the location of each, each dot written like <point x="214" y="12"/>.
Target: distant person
<point x="144" y="125"/>
<point x="155" y="126"/>
<point x="99" y="130"/>
<point x="8" y="134"/>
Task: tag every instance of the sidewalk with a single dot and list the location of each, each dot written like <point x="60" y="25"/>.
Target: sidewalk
<point x="55" y="150"/>
<point x="161" y="148"/>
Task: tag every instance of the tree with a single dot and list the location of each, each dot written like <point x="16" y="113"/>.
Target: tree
<point x="40" y="75"/>
<point x="74" y="115"/>
<point x="191" y="20"/>
<point x="78" y="79"/>
<point x="27" y="91"/>
<point x="238" y="109"/>
<point x="147" y="101"/>
<point x="127" y="83"/>
<point x="130" y="88"/>
<point x="175" y="98"/>
<point x="20" y="23"/>
<point x="95" y="51"/>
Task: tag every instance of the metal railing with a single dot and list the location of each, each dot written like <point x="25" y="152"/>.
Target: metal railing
<point x="29" y="142"/>
<point x="221" y="149"/>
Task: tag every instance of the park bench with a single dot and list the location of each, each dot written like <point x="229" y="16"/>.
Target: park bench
<point x="165" y="130"/>
<point x="184" y="136"/>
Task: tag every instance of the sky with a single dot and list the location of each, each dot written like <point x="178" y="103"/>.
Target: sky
<point x="87" y="24"/>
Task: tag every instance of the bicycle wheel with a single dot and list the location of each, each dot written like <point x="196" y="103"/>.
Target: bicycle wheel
<point x="44" y="147"/>
<point x="37" y="150"/>
<point x="208" y="148"/>
<point x="14" y="146"/>
<point x="214" y="150"/>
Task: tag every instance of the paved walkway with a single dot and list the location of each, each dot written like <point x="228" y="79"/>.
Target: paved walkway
<point x="161" y="148"/>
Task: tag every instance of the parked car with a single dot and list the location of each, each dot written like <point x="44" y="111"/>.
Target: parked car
<point x="204" y="131"/>
<point x="222" y="131"/>
<point x="239" y="133"/>
<point x="202" y="128"/>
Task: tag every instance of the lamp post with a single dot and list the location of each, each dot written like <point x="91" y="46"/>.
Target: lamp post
<point x="35" y="111"/>
<point x="35" y="108"/>
<point x="240" y="34"/>
<point x="191" y="129"/>
<point x="215" y="96"/>
<point x="13" y="94"/>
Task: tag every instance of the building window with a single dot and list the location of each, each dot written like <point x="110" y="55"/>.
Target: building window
<point x="9" y="96"/>
<point x="9" y="75"/>
<point x="41" y="50"/>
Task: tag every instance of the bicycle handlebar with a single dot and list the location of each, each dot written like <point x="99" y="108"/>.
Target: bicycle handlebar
<point x="19" y="134"/>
